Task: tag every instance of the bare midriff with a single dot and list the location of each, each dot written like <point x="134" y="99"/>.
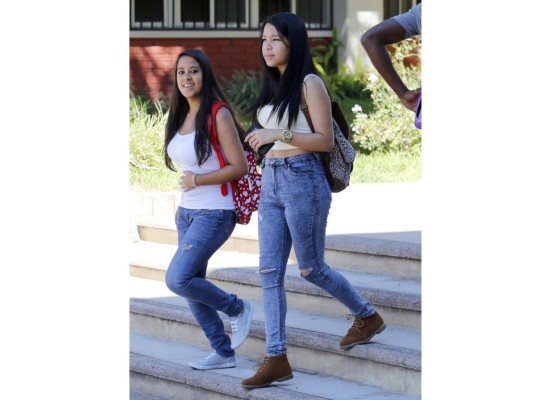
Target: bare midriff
<point x="285" y="153"/>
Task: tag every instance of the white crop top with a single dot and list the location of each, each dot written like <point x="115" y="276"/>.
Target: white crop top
<point x="301" y="125"/>
<point x="206" y="197"/>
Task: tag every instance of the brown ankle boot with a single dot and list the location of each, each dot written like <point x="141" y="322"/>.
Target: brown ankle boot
<point x="270" y="369"/>
<point x="362" y="330"/>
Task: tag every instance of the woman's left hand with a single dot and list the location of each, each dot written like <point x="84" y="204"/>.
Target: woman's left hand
<point x="260" y="137"/>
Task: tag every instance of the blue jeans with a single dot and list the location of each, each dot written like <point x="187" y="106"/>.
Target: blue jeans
<point x="200" y="234"/>
<point x="293" y="210"/>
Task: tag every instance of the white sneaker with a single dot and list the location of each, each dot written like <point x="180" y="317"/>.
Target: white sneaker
<point x="214" y="361"/>
<point x="240" y="325"/>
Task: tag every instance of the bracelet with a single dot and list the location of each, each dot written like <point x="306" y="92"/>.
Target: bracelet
<point x="194" y="184"/>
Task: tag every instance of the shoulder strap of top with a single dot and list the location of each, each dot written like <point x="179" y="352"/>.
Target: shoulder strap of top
<point x="308" y="75"/>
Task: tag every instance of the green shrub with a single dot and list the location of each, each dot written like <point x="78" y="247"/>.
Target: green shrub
<point x="147" y="136"/>
<point x="325" y="56"/>
<point x="146" y="133"/>
<point x="345" y="85"/>
<point x="389" y="127"/>
<point x="340" y="82"/>
<point x="243" y="89"/>
<point x="142" y="101"/>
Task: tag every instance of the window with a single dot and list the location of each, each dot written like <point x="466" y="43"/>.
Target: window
<point x="315" y="17"/>
<point x="149" y="13"/>
<point x="397" y="7"/>
<point x="223" y="14"/>
<point x="194" y="14"/>
<point x="230" y="14"/>
<point x="268" y="7"/>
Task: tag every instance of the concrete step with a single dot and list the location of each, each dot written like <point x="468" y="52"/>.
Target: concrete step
<point x="142" y="396"/>
<point x="391" y="361"/>
<point x="391" y="254"/>
<point x="397" y="299"/>
<point x="159" y="370"/>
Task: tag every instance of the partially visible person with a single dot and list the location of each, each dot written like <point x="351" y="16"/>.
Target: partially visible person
<point x="295" y="193"/>
<point x="390" y="31"/>
<point x="205" y="218"/>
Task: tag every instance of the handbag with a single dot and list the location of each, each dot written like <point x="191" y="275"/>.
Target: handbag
<point x="264" y="149"/>
<point x="338" y="164"/>
<point x="246" y="189"/>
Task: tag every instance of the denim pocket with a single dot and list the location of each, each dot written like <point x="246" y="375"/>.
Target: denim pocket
<point x="325" y="183"/>
<point x="299" y="168"/>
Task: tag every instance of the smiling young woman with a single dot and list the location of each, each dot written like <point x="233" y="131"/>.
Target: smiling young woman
<point x="205" y="218"/>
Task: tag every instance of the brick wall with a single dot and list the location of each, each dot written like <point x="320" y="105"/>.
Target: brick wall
<point x="152" y="60"/>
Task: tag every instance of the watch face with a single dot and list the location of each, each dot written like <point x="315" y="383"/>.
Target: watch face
<point x="287" y="135"/>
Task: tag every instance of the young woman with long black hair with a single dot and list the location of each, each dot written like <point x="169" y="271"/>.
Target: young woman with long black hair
<point x="295" y="194"/>
<point x="205" y="218"/>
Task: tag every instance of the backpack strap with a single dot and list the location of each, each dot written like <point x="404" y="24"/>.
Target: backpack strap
<point x="305" y="110"/>
<point x="212" y="129"/>
<point x="336" y="114"/>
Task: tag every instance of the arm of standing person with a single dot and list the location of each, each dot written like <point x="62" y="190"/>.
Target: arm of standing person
<point x="374" y="42"/>
<point x="228" y="138"/>
<point x="319" y="105"/>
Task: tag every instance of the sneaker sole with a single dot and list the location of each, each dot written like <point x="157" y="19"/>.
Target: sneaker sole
<point x="219" y="366"/>
<point x="283" y="379"/>
<point x="247" y="330"/>
<point x="349" y="346"/>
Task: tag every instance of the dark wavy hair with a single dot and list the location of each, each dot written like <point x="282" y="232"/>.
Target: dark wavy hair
<point x="179" y="106"/>
<point x="284" y="91"/>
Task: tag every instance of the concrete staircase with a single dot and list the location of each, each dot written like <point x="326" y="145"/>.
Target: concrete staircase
<point x="384" y="267"/>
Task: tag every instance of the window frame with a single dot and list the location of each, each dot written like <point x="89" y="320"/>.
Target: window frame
<point x="172" y="18"/>
<point x="401" y="5"/>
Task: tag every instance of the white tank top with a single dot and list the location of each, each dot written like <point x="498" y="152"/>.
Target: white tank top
<point x="268" y="122"/>
<point x="206" y="197"/>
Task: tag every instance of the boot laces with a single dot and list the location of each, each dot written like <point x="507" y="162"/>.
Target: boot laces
<point x="260" y="363"/>
<point x="358" y="323"/>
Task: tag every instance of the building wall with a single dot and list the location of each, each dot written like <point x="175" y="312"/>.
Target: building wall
<point x="152" y="60"/>
<point x="352" y="19"/>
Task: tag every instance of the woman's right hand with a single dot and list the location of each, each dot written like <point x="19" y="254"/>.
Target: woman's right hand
<point x="409" y="99"/>
<point x="187" y="181"/>
<point x="259" y="137"/>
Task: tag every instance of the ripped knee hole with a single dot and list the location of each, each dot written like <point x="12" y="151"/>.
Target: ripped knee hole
<point x="267" y="270"/>
<point x="305" y="272"/>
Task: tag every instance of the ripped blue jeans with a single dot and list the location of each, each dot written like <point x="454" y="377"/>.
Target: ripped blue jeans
<point x="200" y="234"/>
<point x="293" y="211"/>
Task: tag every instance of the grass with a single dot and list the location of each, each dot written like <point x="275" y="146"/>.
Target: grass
<point x="388" y="167"/>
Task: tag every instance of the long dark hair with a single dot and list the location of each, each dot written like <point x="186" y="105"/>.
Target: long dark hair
<point x="179" y="106"/>
<point x="285" y="91"/>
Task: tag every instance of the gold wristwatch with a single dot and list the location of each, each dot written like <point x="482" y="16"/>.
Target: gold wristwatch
<point x="286" y="136"/>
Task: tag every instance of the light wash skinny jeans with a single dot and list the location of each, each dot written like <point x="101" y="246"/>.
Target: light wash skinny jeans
<point x="293" y="210"/>
<point x="200" y="234"/>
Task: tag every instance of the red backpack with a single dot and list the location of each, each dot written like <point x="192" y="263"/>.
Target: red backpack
<point x="246" y="189"/>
